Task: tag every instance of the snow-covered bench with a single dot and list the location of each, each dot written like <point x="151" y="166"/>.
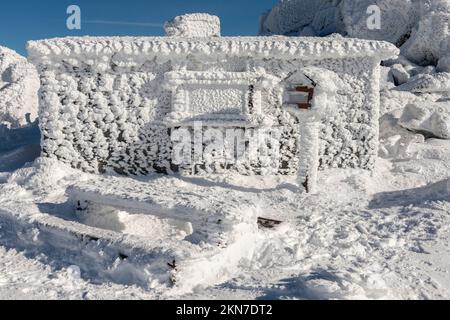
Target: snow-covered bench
<point x="224" y="226"/>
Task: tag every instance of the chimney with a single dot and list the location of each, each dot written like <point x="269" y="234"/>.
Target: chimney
<point x="193" y="25"/>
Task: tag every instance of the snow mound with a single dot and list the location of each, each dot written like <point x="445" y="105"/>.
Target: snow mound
<point x="19" y="83"/>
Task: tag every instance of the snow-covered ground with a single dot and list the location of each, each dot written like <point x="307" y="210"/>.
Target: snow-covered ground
<point x="364" y="236"/>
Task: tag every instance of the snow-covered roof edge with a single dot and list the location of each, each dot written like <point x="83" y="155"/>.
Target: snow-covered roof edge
<point x="264" y="47"/>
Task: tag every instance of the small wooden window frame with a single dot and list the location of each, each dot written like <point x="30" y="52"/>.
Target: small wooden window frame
<point x="310" y="91"/>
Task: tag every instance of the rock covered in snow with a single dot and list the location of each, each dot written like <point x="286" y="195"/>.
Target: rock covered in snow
<point x="423" y="70"/>
<point x="386" y="78"/>
<point x="444" y="63"/>
<point x="423" y="83"/>
<point x="419" y="27"/>
<point x="430" y="39"/>
<point x="399" y="74"/>
<point x="193" y="25"/>
<point x="433" y="120"/>
<point x="398" y="17"/>
<point x="19" y="83"/>
<point x="391" y="100"/>
<point x="347" y="17"/>
<point x="304" y="17"/>
<point x="408" y="78"/>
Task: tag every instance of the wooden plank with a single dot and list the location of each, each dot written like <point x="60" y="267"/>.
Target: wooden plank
<point x="310" y="92"/>
<point x="268" y="223"/>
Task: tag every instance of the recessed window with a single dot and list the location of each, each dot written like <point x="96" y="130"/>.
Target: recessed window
<point x="301" y="96"/>
<point x="226" y="97"/>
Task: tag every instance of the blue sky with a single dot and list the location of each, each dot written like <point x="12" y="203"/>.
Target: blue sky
<point x="23" y="20"/>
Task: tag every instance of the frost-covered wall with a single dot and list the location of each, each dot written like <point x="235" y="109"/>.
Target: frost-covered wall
<point x="110" y="103"/>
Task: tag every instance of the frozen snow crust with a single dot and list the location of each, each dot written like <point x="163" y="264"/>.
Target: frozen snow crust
<point x="103" y="106"/>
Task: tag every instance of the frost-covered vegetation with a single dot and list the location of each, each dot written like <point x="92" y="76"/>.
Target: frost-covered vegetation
<point x="19" y="84"/>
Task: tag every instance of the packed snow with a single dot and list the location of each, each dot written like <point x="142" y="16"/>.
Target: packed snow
<point x="379" y="234"/>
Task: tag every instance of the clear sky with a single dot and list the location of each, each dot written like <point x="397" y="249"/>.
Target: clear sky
<point x="23" y="20"/>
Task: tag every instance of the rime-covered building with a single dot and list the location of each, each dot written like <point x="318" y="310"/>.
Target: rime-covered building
<point x="117" y="104"/>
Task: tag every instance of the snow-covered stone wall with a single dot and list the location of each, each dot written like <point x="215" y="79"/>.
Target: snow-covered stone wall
<point x="113" y="103"/>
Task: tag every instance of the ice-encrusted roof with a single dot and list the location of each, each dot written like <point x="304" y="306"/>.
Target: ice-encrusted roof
<point x="264" y="47"/>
